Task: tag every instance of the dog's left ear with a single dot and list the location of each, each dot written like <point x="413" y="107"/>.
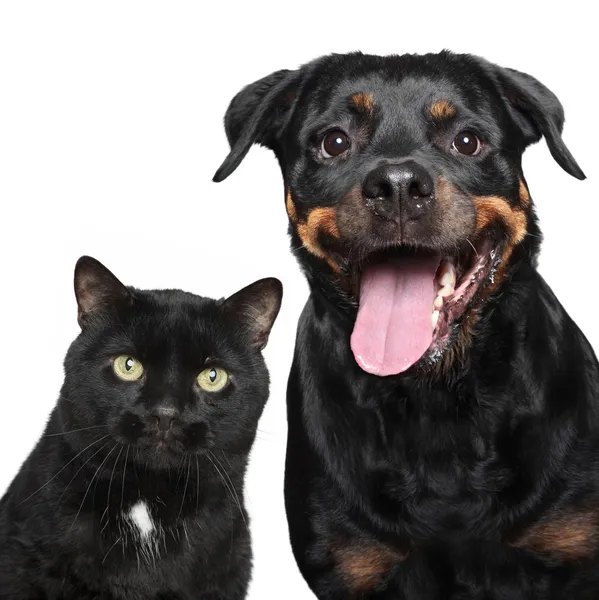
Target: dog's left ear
<point x="255" y="116"/>
<point x="539" y="113"/>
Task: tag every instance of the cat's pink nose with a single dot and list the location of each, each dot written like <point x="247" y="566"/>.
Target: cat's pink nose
<point x="165" y="416"/>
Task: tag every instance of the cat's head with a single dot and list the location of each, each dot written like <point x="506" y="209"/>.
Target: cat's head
<point x="167" y="373"/>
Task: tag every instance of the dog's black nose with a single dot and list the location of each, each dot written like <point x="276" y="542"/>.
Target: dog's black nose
<point x="400" y="191"/>
<point x="164" y="416"/>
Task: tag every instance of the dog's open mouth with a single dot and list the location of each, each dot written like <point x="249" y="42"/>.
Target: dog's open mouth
<point x="410" y="300"/>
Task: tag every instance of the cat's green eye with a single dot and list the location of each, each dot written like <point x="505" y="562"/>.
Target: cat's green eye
<point x="213" y="379"/>
<point x="127" y="368"/>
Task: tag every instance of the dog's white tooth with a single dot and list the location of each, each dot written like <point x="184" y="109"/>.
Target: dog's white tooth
<point x="438" y="303"/>
<point x="446" y="290"/>
<point x="435" y="318"/>
<point x="443" y="268"/>
<point x="448" y="275"/>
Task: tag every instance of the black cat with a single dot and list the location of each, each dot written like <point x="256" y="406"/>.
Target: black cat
<point x="135" y="491"/>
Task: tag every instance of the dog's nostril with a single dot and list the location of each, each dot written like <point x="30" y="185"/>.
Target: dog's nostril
<point x="420" y="187"/>
<point x="415" y="192"/>
<point x="380" y="189"/>
<point x="385" y="190"/>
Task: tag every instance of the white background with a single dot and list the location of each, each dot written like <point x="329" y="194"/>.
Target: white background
<point x="111" y="130"/>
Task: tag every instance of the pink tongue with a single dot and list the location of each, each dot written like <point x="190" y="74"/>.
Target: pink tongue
<point x="393" y="329"/>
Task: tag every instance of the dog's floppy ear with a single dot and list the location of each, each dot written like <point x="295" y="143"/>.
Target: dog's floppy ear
<point x="539" y="113"/>
<point x="255" y="115"/>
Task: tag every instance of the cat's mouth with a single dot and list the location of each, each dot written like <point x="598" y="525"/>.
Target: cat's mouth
<point x="161" y="445"/>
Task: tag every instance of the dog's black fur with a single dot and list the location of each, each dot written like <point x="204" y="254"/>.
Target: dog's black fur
<point x="474" y="474"/>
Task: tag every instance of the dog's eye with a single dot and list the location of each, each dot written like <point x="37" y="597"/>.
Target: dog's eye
<point x="334" y="143"/>
<point x="467" y="143"/>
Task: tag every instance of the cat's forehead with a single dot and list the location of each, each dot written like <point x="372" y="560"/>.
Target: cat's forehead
<point x="172" y="318"/>
<point x="169" y="326"/>
<point x="172" y="300"/>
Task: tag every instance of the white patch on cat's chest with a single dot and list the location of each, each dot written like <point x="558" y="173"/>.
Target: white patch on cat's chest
<point x="145" y="532"/>
<point x="139" y="516"/>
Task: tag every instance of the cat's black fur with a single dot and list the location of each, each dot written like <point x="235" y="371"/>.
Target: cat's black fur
<point x="66" y="526"/>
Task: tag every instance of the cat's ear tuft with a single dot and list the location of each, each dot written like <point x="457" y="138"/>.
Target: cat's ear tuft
<point x="97" y="289"/>
<point x="256" y="307"/>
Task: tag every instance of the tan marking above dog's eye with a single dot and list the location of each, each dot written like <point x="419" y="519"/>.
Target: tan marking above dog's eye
<point x="334" y="143"/>
<point x="362" y="102"/>
<point x="442" y="109"/>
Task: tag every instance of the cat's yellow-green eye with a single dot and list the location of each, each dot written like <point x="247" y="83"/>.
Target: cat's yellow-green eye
<point x="213" y="379"/>
<point x="127" y="368"/>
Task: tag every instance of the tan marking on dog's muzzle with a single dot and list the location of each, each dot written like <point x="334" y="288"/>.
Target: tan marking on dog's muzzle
<point x="491" y="209"/>
<point x="318" y="221"/>
<point x="291" y="207"/>
<point x="524" y="194"/>
<point x="495" y="209"/>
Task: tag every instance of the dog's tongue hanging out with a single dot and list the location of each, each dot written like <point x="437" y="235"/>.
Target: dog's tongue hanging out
<point x="393" y="328"/>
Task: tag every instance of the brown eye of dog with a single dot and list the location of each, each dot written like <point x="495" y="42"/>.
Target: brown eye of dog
<point x="334" y="143"/>
<point x="466" y="143"/>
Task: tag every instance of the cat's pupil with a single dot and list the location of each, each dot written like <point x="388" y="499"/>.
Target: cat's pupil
<point x="212" y="375"/>
<point x="129" y="364"/>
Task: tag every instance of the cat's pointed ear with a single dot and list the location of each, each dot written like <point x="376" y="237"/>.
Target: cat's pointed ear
<point x="256" y="115"/>
<point x="539" y="113"/>
<point x="97" y="289"/>
<point x="255" y="308"/>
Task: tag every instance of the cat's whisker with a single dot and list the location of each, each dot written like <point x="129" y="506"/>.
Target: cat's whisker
<point x="106" y="513"/>
<point x="80" y="469"/>
<point x="179" y="472"/>
<point x="232" y="489"/>
<point x="186" y="533"/>
<point x="90" y="485"/>
<point x="111" y="547"/>
<point x="198" y="484"/>
<point x="75" y="430"/>
<point x="63" y="468"/>
<point x="232" y="521"/>
<point x="123" y="482"/>
<point x="226" y="458"/>
<point x="225" y="484"/>
<point x="185" y="489"/>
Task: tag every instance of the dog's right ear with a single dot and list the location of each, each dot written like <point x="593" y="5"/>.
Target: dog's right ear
<point x="255" y="116"/>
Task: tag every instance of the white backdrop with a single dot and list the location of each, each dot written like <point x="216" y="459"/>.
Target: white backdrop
<point x="110" y="132"/>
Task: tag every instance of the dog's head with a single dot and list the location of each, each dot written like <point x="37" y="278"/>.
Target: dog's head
<point x="404" y="188"/>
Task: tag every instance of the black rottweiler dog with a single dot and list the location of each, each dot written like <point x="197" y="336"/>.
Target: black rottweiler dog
<point x="443" y="408"/>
